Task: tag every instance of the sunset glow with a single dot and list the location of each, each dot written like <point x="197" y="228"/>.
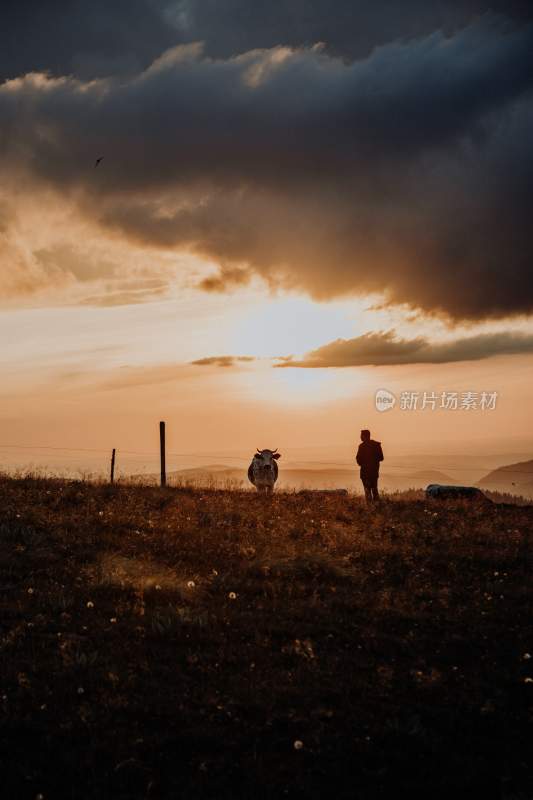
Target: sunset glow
<point x="266" y="452"/>
<point x="152" y="266"/>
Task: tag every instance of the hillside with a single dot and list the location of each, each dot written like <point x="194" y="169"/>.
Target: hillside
<point x="162" y="643"/>
<point x="516" y="478"/>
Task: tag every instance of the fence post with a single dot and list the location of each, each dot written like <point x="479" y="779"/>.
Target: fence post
<point x="162" y="449"/>
<point x="113" y="466"/>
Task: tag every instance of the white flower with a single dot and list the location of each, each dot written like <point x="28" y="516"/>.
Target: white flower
<point x="113" y="619"/>
<point x="81" y="690"/>
<point x="526" y="656"/>
<point x="191" y="584"/>
<point x="232" y="596"/>
<point x="30" y="590"/>
<point x="298" y="744"/>
<point x="90" y="604"/>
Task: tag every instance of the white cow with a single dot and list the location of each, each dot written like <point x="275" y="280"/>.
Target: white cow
<point x="263" y="471"/>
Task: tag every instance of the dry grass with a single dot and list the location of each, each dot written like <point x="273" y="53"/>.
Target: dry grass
<point x="177" y="643"/>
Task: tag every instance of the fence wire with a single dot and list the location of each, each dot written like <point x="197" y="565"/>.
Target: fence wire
<point x="244" y="459"/>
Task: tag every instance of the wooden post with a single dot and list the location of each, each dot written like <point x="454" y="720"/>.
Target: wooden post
<point x="113" y="466"/>
<point x="162" y="449"/>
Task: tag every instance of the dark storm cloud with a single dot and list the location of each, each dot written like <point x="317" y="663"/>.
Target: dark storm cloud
<point x="87" y="39"/>
<point x="385" y="349"/>
<point x="408" y="172"/>
<point x="349" y="28"/>
<point x="97" y="38"/>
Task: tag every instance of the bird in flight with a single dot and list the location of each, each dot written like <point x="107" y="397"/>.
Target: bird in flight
<point x="98" y="161"/>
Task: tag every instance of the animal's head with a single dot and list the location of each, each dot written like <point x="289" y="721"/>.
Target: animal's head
<point x="265" y="458"/>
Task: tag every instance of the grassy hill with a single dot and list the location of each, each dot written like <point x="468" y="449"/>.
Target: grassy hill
<point x="164" y="643"/>
<point x="516" y="478"/>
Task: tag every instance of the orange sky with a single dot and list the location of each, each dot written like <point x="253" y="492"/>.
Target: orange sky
<point x="226" y="220"/>
<point x="100" y="377"/>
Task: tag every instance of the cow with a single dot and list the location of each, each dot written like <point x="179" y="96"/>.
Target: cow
<point x="437" y="491"/>
<point x="263" y="471"/>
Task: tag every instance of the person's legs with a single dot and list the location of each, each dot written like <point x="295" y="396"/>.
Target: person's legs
<point x="370" y="482"/>
<point x="368" y="489"/>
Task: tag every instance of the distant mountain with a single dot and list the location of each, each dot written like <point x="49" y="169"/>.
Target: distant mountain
<point x="317" y="478"/>
<point x="513" y="478"/>
<point x="221" y="475"/>
<point x="217" y="474"/>
<point x="431" y="476"/>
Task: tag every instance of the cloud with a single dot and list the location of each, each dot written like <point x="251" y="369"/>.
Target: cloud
<point x="408" y="172"/>
<point x="98" y="39"/>
<point x="222" y="361"/>
<point x="21" y="273"/>
<point x="86" y="39"/>
<point x="50" y="254"/>
<point x="352" y="30"/>
<point x="226" y="277"/>
<point x="128" y="377"/>
<point x="385" y="349"/>
<point x="118" y="298"/>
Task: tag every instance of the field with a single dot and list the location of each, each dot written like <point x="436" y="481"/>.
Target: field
<point x="180" y="643"/>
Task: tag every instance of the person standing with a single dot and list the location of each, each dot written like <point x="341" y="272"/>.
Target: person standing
<point x="369" y="455"/>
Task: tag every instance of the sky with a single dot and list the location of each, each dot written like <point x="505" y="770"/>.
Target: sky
<point x="246" y="218"/>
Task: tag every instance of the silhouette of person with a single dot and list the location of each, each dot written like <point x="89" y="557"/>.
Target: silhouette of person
<point x="369" y="454"/>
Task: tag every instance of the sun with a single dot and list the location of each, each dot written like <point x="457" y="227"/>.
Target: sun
<point x="289" y="325"/>
<point x="285" y="387"/>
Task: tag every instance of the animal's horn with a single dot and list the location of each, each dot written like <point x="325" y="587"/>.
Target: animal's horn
<point x="275" y="451"/>
<point x="258" y="449"/>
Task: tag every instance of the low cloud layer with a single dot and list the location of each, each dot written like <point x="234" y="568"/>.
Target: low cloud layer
<point x="385" y="349"/>
<point x="407" y="171"/>
<point x="222" y="361"/>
